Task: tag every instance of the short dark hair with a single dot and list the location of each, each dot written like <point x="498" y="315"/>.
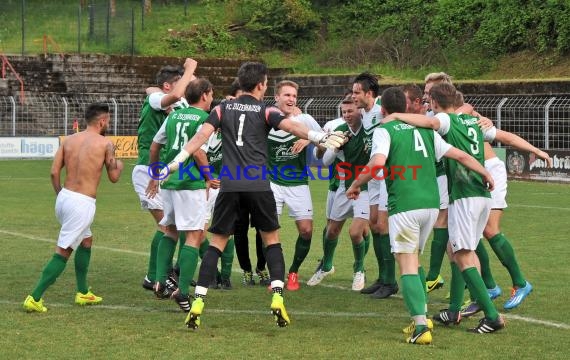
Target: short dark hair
<point x="196" y="88"/>
<point x="168" y="74"/>
<point x="368" y="82"/>
<point x="444" y="94"/>
<point x="394" y="100"/>
<point x="250" y="74"/>
<point x="413" y="90"/>
<point x="234" y="87"/>
<point x="94" y="110"/>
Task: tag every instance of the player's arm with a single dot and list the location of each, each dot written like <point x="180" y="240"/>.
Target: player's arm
<point x="180" y="87"/>
<point x="114" y="166"/>
<point x="417" y="120"/>
<point x="191" y="146"/>
<point x="377" y="161"/>
<point x="56" y="166"/>
<point x="519" y="143"/>
<point x="328" y="140"/>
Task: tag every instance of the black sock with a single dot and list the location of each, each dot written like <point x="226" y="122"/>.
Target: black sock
<point x="209" y="267"/>
<point x="275" y="262"/>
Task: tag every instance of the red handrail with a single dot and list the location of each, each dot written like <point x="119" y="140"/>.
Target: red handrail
<point x="6" y="62"/>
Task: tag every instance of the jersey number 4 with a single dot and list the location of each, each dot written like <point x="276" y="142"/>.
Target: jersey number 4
<point x="419" y="143"/>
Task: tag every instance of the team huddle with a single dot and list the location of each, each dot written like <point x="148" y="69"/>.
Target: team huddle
<point x="458" y="190"/>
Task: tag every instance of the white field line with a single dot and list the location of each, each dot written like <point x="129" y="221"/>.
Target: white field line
<point x="227" y="311"/>
<point x="539" y="207"/>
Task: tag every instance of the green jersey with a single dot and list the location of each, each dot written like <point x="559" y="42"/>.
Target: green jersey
<point x="213" y="150"/>
<point x="285" y="167"/>
<point x="463" y="132"/>
<point x="177" y="130"/>
<point x="150" y="120"/>
<point x="356" y="153"/>
<point x="410" y="165"/>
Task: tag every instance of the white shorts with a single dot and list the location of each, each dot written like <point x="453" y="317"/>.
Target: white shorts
<point x="443" y="192"/>
<point x="140" y="178"/>
<point x="409" y="230"/>
<point x="499" y="173"/>
<point x="297" y="198"/>
<point x="75" y="212"/>
<point x="212" y="196"/>
<point x="345" y="208"/>
<point x="184" y="208"/>
<point x="330" y="203"/>
<point x="467" y="218"/>
<point x="378" y="194"/>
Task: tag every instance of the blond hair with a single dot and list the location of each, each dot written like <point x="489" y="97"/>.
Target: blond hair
<point x="439" y="77"/>
<point x="283" y="83"/>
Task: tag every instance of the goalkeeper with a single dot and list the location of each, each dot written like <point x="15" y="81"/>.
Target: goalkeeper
<point x="245" y="123"/>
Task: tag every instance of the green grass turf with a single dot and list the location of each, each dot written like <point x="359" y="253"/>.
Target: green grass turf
<point x="328" y="322"/>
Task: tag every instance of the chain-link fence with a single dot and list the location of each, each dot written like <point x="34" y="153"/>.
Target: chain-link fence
<point x="543" y="121"/>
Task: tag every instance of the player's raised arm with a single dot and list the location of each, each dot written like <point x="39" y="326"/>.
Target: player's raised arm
<point x="56" y="166"/>
<point x="114" y="166"/>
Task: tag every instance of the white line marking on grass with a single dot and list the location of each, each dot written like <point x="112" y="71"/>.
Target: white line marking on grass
<point x="302" y="313"/>
<point x="539" y="207"/>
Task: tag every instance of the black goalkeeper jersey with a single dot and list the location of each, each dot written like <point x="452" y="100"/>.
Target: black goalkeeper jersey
<point x="245" y="123"/>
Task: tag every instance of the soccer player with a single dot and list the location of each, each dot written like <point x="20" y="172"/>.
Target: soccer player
<point x="288" y="175"/>
<point x="355" y="153"/>
<point x="245" y="123"/>
<point x="184" y="193"/>
<point x="413" y="199"/>
<point x="469" y="204"/>
<point x="83" y="155"/>
<point x="169" y="96"/>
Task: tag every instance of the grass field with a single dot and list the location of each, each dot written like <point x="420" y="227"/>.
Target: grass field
<point x="328" y="321"/>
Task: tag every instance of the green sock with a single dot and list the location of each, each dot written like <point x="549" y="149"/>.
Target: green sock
<point x="437" y="252"/>
<point x="388" y="262"/>
<point x="227" y="259"/>
<point x="412" y="290"/>
<point x="376" y="240"/>
<point x="478" y="289"/>
<point x="324" y="236"/>
<point x="151" y="272"/>
<point x="366" y="239"/>
<point x="188" y="262"/>
<point x="51" y="272"/>
<point x="302" y="247"/>
<point x="457" y="289"/>
<point x="358" y="250"/>
<point x="181" y="242"/>
<point x="506" y="254"/>
<point x="203" y="247"/>
<point x="82" y="257"/>
<point x="422" y="275"/>
<point x="486" y="273"/>
<point x="165" y="252"/>
<point x="330" y="246"/>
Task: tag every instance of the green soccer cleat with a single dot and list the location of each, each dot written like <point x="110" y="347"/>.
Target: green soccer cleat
<point x="278" y="311"/>
<point x="410" y="329"/>
<point x="31" y="305"/>
<point x="87" y="299"/>
<point x="193" y="318"/>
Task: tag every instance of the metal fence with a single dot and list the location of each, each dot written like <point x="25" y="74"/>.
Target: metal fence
<point x="542" y="120"/>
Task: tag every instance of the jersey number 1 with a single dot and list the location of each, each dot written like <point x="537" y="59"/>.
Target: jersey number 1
<point x="239" y="141"/>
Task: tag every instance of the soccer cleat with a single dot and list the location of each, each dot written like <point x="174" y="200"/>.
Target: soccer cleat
<point x="278" y="311"/>
<point x="358" y="281"/>
<point x="385" y="291"/>
<point x="147" y="284"/>
<point x="471" y="309"/>
<point x="410" y="329"/>
<point x="162" y="291"/>
<point x="182" y="300"/>
<point x="87" y="299"/>
<point x="193" y="318"/>
<point x="372" y="288"/>
<point x="293" y="281"/>
<point x="319" y="276"/>
<point x="31" y="305"/>
<point x="247" y="278"/>
<point x="421" y="338"/>
<point x="263" y="275"/>
<point x="172" y="281"/>
<point x="216" y="282"/>
<point x="486" y="326"/>
<point x="494" y="292"/>
<point x="434" y="284"/>
<point x="225" y="284"/>
<point x="517" y="296"/>
<point x="447" y="317"/>
<point x="319" y="265"/>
